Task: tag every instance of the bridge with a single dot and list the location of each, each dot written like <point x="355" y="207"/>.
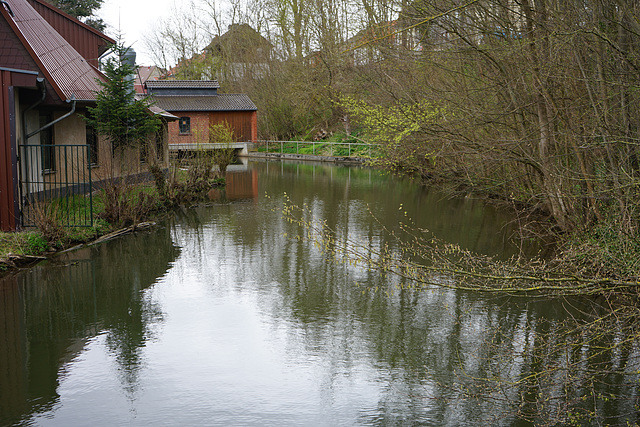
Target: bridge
<point x="242" y="148"/>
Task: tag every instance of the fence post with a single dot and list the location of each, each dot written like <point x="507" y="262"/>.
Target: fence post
<point x="90" y="186"/>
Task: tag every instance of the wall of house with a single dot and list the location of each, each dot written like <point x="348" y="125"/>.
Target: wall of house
<point x="240" y="122"/>
<point x="12" y="53"/>
<point x="85" y="40"/>
<point x="243" y="123"/>
<point x="199" y="128"/>
<point x="71" y="163"/>
<point x="7" y="195"/>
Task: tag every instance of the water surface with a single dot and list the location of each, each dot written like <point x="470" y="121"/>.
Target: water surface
<point x="220" y="317"/>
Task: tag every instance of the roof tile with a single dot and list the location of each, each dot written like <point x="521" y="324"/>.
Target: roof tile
<point x="221" y="102"/>
<point x="183" y="84"/>
<point x="70" y="72"/>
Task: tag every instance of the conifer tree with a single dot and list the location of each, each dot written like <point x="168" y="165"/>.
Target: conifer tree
<point x="124" y="120"/>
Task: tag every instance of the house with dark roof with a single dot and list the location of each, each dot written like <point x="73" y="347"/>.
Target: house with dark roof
<point x="240" y="52"/>
<point x="49" y="76"/>
<point x="198" y="105"/>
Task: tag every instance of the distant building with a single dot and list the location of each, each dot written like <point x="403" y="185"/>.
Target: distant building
<point x="240" y="52"/>
<point x="198" y="105"/>
<point x="376" y="42"/>
<point x="144" y="73"/>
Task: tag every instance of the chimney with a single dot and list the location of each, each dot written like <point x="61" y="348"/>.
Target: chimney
<point x="129" y="58"/>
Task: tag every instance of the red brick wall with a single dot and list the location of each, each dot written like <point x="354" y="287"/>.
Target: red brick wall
<point x="199" y="128"/>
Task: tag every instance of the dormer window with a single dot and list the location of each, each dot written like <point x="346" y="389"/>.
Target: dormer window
<point x="185" y="125"/>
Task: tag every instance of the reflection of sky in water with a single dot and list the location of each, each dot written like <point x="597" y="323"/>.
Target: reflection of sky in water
<point x="241" y="326"/>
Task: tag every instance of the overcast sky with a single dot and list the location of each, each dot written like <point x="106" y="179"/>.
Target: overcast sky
<point x="134" y="18"/>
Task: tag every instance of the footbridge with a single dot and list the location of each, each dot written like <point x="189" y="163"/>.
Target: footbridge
<point x="242" y="148"/>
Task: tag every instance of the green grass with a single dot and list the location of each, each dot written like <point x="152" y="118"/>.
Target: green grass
<point x="75" y="228"/>
<point x="22" y="243"/>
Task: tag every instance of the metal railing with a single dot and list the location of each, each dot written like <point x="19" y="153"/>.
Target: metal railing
<point x="55" y="182"/>
<point x="316" y="146"/>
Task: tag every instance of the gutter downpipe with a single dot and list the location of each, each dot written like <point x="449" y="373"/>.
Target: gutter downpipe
<point x="43" y="90"/>
<point x="8" y="7"/>
<point x="59" y="119"/>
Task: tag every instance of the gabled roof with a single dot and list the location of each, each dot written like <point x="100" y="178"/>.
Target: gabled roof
<point x="71" y="27"/>
<point x="65" y="69"/>
<point x="242" y="43"/>
<point x="224" y="102"/>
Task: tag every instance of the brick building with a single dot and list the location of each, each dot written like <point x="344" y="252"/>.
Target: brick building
<point x="198" y="105"/>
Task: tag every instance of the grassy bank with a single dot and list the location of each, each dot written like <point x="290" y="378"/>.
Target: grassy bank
<point x="117" y="206"/>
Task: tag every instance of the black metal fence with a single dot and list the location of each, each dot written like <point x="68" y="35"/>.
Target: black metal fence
<point x="55" y="183"/>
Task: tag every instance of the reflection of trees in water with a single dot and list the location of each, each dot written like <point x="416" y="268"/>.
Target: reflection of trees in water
<point x="456" y="359"/>
<point x="348" y="192"/>
<point x="445" y="355"/>
<point x="91" y="291"/>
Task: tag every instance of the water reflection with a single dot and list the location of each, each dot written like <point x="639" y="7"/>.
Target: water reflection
<point x="239" y="185"/>
<point x="247" y="325"/>
<point x="52" y="311"/>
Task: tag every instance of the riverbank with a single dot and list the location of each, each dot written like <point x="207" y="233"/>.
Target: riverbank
<point x="26" y="248"/>
<point x="117" y="209"/>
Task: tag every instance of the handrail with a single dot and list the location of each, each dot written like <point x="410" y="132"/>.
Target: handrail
<point x="314" y="143"/>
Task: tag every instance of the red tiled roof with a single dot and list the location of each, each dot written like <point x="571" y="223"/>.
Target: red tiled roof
<point x="67" y="71"/>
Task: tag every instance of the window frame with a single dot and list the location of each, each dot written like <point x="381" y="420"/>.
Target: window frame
<point x="184" y="125"/>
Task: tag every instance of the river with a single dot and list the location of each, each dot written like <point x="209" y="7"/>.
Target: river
<point x="220" y="316"/>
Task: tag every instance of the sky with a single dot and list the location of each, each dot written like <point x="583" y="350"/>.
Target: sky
<point x="134" y="18"/>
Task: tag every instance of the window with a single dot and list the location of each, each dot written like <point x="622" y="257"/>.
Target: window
<point x="185" y="125"/>
<point x="92" y="142"/>
<point x="46" y="141"/>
